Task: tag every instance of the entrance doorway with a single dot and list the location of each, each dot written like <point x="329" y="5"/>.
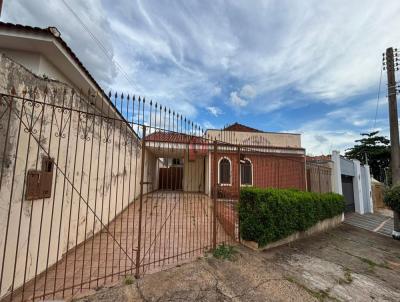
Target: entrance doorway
<point x="171" y="178"/>
<point x="348" y="192"/>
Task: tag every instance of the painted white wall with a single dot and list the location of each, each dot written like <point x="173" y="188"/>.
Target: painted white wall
<point x="193" y="174"/>
<point x="30" y="60"/>
<point x="368" y="191"/>
<point x="37" y="64"/>
<point x="104" y="183"/>
<point x="257" y="138"/>
<point x="361" y="181"/>
<point x="336" y="173"/>
<point x="358" y="188"/>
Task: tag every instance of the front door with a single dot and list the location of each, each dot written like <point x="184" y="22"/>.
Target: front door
<point x="348" y="192"/>
<point x="171" y="178"/>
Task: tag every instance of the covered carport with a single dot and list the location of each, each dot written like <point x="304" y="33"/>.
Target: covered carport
<point x="182" y="161"/>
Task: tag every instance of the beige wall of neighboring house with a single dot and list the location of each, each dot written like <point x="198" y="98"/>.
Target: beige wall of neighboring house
<point x="256" y="138"/>
<point x="193" y="174"/>
<point x="80" y="197"/>
<point x="37" y="64"/>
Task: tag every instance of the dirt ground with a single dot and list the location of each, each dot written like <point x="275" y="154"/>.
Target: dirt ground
<point x="344" y="264"/>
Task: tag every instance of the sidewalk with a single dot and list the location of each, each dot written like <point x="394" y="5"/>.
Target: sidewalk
<point x="372" y="222"/>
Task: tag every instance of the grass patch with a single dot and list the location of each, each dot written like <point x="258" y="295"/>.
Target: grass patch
<point x="347" y="278"/>
<point x="225" y="252"/>
<point x="371" y="264"/>
<point x="128" y="280"/>
<point x="321" y="295"/>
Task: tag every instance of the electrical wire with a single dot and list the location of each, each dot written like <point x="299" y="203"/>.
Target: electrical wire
<point x="107" y="53"/>
<point x="378" y="98"/>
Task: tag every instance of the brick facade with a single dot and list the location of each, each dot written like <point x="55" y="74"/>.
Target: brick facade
<point x="268" y="170"/>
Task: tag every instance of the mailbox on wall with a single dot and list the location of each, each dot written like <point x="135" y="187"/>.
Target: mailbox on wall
<point x="39" y="183"/>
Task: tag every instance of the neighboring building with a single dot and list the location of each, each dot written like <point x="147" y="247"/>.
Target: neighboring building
<point x="335" y="173"/>
<point x="263" y="159"/>
<point x="353" y="181"/>
<point x="319" y="173"/>
<point x="244" y="157"/>
<point x="41" y="144"/>
<point x="44" y="53"/>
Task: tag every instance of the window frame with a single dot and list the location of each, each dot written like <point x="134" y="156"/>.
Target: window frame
<point x="230" y="171"/>
<point x="252" y="173"/>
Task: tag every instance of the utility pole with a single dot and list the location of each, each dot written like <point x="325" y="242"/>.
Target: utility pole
<point x="1" y="6"/>
<point x="391" y="67"/>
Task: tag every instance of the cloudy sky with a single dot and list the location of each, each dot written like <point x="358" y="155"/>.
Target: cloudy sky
<point x="301" y="66"/>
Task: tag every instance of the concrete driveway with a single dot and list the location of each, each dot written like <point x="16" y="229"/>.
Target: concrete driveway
<point x="344" y="264"/>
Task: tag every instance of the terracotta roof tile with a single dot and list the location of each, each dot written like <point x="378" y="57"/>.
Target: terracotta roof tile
<point x="172" y="137"/>
<point x="241" y="128"/>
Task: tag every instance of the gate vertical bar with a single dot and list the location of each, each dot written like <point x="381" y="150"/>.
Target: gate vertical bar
<point x="239" y="180"/>
<point x="140" y="203"/>
<point x="214" y="243"/>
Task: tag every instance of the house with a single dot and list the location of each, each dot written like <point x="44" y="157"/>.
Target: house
<point x="250" y="157"/>
<point x="353" y="180"/>
<point x="68" y="155"/>
<point x="227" y="159"/>
<point x="84" y="184"/>
<point x="348" y="177"/>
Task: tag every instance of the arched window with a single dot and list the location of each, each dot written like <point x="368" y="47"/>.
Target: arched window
<point x="246" y="173"/>
<point x="224" y="171"/>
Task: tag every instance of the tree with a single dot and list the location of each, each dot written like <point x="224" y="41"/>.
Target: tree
<point x="374" y="150"/>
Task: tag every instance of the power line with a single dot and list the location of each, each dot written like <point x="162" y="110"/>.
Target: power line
<point x="378" y="97"/>
<point x="107" y="53"/>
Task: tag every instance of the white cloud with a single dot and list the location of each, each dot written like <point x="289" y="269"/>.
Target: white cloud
<point x="43" y="13"/>
<point x="338" y="129"/>
<point x="319" y="142"/>
<point x="175" y="53"/>
<point x="214" y="110"/>
<point x="216" y="90"/>
<point x="236" y="100"/>
<point x="209" y="125"/>
<point x="248" y="91"/>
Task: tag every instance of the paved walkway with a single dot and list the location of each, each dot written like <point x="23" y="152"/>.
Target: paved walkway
<point x="372" y="222"/>
<point x="176" y="227"/>
<point x="343" y="264"/>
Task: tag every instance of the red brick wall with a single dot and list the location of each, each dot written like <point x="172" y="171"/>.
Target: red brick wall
<point x="269" y="170"/>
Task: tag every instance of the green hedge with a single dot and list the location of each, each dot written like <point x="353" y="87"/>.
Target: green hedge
<point x="392" y="198"/>
<point x="267" y="215"/>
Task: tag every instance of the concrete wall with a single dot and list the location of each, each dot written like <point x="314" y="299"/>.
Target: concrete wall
<point x="361" y="181"/>
<point x="193" y="174"/>
<point x="37" y="64"/>
<point x="94" y="179"/>
<point x="367" y="189"/>
<point x="257" y="138"/>
<point x="347" y="167"/>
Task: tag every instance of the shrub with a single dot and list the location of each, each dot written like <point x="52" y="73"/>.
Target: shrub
<point x="224" y="252"/>
<point x="267" y="215"/>
<point x="392" y="198"/>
